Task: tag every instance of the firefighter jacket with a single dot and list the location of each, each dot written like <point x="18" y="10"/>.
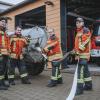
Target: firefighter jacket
<point x="53" y="49"/>
<point x="82" y="43"/>
<point x="17" y="44"/>
<point x="4" y="43"/>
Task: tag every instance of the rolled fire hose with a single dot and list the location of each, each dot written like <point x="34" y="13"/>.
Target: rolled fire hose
<point x="65" y="56"/>
<point x="74" y="85"/>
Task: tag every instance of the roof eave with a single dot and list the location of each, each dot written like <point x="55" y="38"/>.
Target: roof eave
<point x="17" y="6"/>
<point x="5" y="3"/>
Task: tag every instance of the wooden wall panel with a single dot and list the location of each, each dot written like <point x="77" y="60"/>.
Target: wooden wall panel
<point x="53" y="16"/>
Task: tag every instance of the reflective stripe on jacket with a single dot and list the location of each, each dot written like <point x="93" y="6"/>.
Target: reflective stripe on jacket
<point x="54" y="49"/>
<point x="17" y="44"/>
<point x="4" y="43"/>
<point x="82" y="43"/>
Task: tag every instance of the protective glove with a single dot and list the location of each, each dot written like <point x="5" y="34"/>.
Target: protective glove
<point x="46" y="50"/>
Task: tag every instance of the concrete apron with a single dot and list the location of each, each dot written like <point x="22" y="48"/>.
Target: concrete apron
<point x="94" y="69"/>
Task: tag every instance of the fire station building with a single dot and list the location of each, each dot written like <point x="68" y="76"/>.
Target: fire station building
<point x="57" y="14"/>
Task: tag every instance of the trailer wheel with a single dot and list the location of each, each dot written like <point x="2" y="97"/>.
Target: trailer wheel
<point x="35" y="68"/>
<point x="40" y="69"/>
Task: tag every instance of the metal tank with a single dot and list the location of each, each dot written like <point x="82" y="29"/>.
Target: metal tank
<point x="33" y="56"/>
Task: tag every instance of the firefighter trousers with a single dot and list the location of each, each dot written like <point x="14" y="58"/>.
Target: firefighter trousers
<point x="20" y="64"/>
<point x="84" y="77"/>
<point x="56" y="74"/>
<point x="3" y="67"/>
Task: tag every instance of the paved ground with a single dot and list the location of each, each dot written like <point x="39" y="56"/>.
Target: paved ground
<point x="38" y="90"/>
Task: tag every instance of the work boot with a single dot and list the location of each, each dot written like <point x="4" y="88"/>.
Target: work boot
<point x="12" y="82"/>
<point x="60" y="81"/>
<point x="25" y="80"/>
<point x="79" y="92"/>
<point x="52" y="83"/>
<point x="79" y="89"/>
<point x="2" y="87"/>
<point x="88" y="86"/>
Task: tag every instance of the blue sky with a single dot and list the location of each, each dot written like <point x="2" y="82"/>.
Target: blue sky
<point x="12" y="1"/>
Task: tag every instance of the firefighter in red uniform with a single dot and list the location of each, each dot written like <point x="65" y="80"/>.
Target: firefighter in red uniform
<point x="82" y="48"/>
<point x="4" y="53"/>
<point x="54" y="53"/>
<point x="17" y="43"/>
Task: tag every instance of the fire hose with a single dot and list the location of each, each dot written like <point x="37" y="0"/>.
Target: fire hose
<point x="74" y="85"/>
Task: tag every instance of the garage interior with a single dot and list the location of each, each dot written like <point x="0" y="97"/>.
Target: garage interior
<point x="30" y="18"/>
<point x="88" y="9"/>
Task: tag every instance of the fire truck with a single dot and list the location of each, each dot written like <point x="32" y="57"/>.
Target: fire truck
<point x="95" y="43"/>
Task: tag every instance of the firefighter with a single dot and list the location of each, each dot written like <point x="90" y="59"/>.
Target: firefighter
<point x="82" y="49"/>
<point x="18" y="43"/>
<point x="4" y="53"/>
<point x="54" y="54"/>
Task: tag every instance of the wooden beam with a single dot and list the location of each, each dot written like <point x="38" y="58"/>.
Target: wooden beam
<point x="76" y="15"/>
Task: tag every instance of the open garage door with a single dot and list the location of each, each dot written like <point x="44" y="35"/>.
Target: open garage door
<point x="89" y="10"/>
<point x="34" y="17"/>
